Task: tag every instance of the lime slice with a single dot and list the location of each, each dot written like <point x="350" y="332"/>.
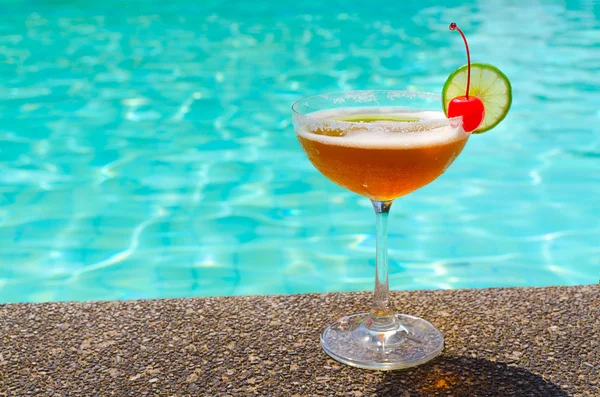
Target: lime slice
<point x="489" y="84"/>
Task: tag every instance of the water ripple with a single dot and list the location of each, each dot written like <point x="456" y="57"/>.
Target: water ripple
<point x="149" y="152"/>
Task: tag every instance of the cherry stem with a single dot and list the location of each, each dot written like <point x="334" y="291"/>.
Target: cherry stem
<point x="454" y="27"/>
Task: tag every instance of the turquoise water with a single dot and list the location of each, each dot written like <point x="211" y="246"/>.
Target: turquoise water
<point x="147" y="151"/>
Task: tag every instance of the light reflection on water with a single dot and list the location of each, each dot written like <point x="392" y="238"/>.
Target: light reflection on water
<point x="148" y="152"/>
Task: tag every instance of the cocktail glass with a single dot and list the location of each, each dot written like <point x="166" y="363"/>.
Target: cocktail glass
<point x="381" y="145"/>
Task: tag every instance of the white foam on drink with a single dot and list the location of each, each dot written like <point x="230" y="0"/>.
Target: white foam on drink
<point x="431" y="129"/>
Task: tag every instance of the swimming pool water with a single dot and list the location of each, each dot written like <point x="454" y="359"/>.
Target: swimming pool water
<point x="146" y="150"/>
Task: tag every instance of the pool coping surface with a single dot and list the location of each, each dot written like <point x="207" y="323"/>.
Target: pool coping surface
<point x="499" y="342"/>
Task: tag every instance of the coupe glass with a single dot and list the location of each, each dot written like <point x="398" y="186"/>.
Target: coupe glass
<point x="381" y="145"/>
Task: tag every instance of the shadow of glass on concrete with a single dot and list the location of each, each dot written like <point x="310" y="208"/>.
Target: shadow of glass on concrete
<point x="465" y="376"/>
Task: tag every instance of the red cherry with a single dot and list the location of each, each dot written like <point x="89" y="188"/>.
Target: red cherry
<point x="469" y="107"/>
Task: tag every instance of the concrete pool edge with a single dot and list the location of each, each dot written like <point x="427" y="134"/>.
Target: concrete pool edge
<point x="534" y="341"/>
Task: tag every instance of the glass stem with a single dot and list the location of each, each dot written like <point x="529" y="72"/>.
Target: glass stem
<point x="382" y="316"/>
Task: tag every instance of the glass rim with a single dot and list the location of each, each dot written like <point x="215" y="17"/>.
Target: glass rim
<point x="391" y="94"/>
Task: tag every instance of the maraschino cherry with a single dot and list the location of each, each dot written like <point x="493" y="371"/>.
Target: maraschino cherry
<point x="469" y="107"/>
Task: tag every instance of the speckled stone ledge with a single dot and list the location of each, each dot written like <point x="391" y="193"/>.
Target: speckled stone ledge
<point x="499" y="342"/>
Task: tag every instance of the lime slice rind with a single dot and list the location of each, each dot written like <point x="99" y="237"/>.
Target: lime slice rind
<point x="489" y="84"/>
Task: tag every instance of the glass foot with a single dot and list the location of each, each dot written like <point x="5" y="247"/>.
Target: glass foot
<point x="414" y="342"/>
